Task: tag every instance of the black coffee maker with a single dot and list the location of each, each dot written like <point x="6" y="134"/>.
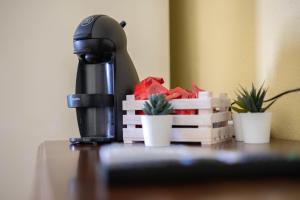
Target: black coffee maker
<point x="105" y="76"/>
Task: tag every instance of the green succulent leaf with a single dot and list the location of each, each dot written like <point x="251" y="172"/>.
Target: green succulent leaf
<point x="147" y="108"/>
<point x="238" y="110"/>
<point x="157" y="105"/>
<point x="283" y="94"/>
<point x="167" y="111"/>
<point x="241" y="104"/>
<point x="249" y="100"/>
<point x="268" y="106"/>
<point x="254" y="100"/>
<point x="253" y="93"/>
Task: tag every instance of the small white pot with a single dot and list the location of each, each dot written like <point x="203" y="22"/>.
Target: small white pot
<point x="157" y="130"/>
<point x="237" y="124"/>
<point x="256" y="127"/>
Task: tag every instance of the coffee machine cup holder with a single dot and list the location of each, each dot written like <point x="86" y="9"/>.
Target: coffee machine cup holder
<point x="90" y="100"/>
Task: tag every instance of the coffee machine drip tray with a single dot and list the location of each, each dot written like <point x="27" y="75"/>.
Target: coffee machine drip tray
<point x="91" y="140"/>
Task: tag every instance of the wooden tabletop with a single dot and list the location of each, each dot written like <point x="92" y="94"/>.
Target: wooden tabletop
<point x="72" y="172"/>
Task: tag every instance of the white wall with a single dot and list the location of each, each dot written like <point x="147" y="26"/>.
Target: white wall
<point x="37" y="71"/>
<point x="212" y="44"/>
<point x="278" y="23"/>
<point x="278" y="61"/>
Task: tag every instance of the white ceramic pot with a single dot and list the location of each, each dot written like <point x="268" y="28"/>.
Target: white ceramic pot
<point x="157" y="130"/>
<point x="256" y="127"/>
<point x="237" y="124"/>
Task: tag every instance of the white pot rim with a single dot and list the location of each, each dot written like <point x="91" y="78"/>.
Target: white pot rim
<point x="256" y="113"/>
<point x="155" y="115"/>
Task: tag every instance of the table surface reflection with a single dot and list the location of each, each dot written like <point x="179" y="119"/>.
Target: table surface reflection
<point x="73" y="172"/>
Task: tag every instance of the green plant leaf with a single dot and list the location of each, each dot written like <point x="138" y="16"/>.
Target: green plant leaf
<point x="253" y="105"/>
<point x="154" y="111"/>
<point x="167" y="111"/>
<point x="253" y="93"/>
<point x="157" y="105"/>
<point x="268" y="106"/>
<point x="261" y="98"/>
<point x="147" y="108"/>
<point x="161" y="104"/>
<point x="282" y="94"/>
<point x="238" y="110"/>
<point x="245" y="102"/>
<point x="259" y="102"/>
<point x="260" y="90"/>
<point x="242" y="103"/>
<point x="251" y="100"/>
<point x="245" y="92"/>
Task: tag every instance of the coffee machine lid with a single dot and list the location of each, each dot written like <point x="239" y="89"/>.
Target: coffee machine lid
<point x="84" y="29"/>
<point x="101" y="27"/>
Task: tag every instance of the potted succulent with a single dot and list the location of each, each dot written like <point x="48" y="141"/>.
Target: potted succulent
<point x="157" y="121"/>
<point x="251" y="121"/>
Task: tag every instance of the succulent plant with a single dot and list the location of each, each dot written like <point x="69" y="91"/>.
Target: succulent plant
<point x="253" y="100"/>
<point x="157" y="105"/>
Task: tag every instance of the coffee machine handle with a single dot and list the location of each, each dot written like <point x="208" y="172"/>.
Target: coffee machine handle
<point x="90" y="100"/>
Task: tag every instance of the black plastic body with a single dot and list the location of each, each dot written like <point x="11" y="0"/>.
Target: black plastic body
<point x="105" y="76"/>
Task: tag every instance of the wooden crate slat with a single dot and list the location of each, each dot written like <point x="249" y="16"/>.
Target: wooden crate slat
<point x="176" y="103"/>
<point x="182" y="134"/>
<point x="221" y="117"/>
<point x="191" y="133"/>
<point x="181" y="103"/>
<point x="221" y="132"/>
<point x="130" y="97"/>
<point x="188" y="120"/>
<point x="180" y="120"/>
<point x="178" y="134"/>
<point x="220" y="103"/>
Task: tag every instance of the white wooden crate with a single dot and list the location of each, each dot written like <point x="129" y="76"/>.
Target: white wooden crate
<point x="209" y="126"/>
